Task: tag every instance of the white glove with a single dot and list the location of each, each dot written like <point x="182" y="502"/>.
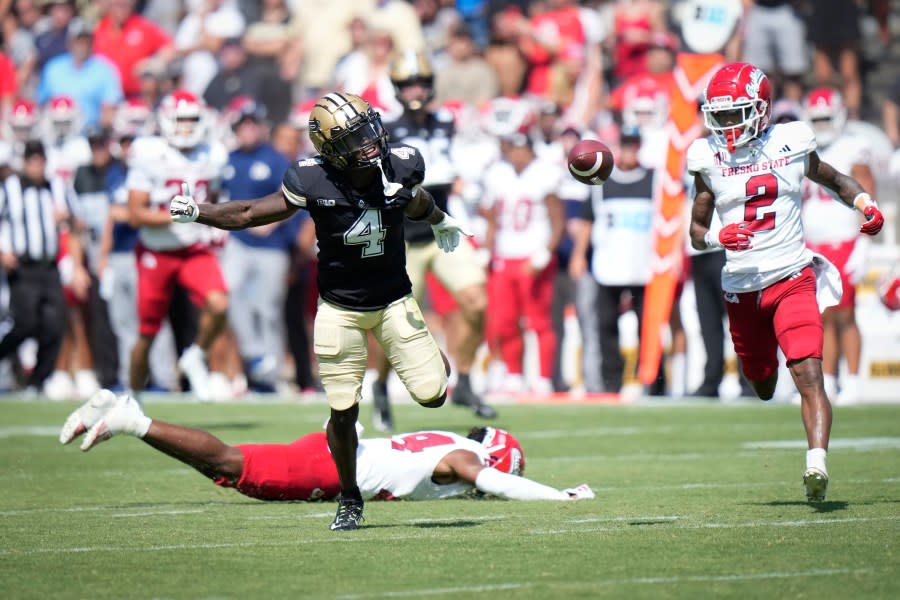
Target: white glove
<point x="446" y="233"/>
<point x="183" y="208"/>
<point x="581" y="492"/>
<point x="856" y="262"/>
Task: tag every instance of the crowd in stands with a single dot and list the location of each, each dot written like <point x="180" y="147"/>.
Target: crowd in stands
<point x="86" y="78"/>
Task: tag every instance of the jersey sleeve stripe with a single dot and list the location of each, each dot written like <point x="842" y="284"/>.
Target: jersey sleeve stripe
<point x="293" y="198"/>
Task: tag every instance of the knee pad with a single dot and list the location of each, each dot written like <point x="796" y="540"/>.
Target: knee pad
<point x="427" y="390"/>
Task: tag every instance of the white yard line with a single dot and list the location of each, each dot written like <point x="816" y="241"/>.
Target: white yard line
<point x="747" y="524"/>
<point x="863" y="443"/>
<point x="159" y="512"/>
<point x="643" y="519"/>
<point x="675" y="579"/>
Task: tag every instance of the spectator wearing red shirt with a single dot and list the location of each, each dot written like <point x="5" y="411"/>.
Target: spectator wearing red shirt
<point x="8" y="85"/>
<point x="128" y="40"/>
<point x="545" y="36"/>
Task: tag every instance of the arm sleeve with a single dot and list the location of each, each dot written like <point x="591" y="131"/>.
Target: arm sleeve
<point x="512" y="487"/>
<point x="292" y="187"/>
<point x="699" y="156"/>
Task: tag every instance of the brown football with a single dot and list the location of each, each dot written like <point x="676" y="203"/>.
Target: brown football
<point x="591" y="162"/>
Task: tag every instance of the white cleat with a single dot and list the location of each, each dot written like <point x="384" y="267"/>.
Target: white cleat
<point x="815" y="481"/>
<point x="86" y="415"/>
<point x="123" y="417"/>
<point x="193" y="366"/>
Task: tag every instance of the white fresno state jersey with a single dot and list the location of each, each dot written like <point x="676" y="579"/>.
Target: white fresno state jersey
<point x="518" y="201"/>
<point x="156" y="167"/>
<point x="63" y="159"/>
<point x="401" y="467"/>
<point x="760" y="183"/>
<point x="826" y="219"/>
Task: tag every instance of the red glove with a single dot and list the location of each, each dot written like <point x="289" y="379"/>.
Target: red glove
<point x="736" y="237"/>
<point x="874" y="220"/>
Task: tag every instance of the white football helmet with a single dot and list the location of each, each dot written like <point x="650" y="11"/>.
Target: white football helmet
<point x="824" y="110"/>
<point x="62" y="119"/>
<point x="505" y="117"/>
<point x="183" y="119"/>
<point x="133" y="118"/>
<point x="20" y="124"/>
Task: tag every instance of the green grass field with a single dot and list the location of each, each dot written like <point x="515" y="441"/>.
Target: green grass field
<point x="693" y="501"/>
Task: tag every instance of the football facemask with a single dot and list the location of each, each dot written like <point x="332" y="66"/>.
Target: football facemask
<point x="347" y="132"/>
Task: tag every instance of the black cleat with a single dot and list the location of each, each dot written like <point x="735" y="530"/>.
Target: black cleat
<point x="349" y="514"/>
<point x="382" y="420"/>
<point x="464" y="396"/>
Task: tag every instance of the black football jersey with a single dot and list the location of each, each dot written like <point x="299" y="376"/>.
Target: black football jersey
<point x="433" y="140"/>
<point x="362" y="256"/>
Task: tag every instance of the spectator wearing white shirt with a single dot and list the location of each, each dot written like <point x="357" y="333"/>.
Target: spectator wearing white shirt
<point x="201" y="35"/>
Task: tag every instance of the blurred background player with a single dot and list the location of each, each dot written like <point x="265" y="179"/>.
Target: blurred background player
<point x="362" y="277"/>
<point x="431" y="132"/>
<point x="525" y="223"/>
<point x="67" y="148"/>
<point x="421" y="465"/>
<point x="751" y="174"/>
<point x="832" y="230"/>
<point x="617" y="215"/>
<point x="256" y="261"/>
<point x="160" y="168"/>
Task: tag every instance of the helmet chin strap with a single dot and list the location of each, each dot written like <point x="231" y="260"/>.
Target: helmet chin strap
<point x="390" y="189"/>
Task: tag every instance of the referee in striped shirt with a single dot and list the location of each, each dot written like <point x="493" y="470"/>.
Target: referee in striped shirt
<point x="34" y="212"/>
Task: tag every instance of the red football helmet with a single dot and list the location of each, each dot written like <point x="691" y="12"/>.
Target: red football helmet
<point x="506" y="117"/>
<point x="183" y="119"/>
<point x="22" y="120"/>
<point x="62" y="117"/>
<point x="738" y="104"/>
<point x="825" y="111"/>
<point x="889" y="289"/>
<point x="505" y="451"/>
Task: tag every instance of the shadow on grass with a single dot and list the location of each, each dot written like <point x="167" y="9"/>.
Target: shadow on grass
<point x="446" y="524"/>
<point x="820" y="507"/>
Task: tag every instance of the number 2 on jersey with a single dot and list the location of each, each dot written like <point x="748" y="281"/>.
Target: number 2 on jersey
<point x="761" y="190"/>
<point x="367" y="232"/>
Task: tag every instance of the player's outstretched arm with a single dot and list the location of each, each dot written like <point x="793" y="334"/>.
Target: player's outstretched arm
<point x="467" y="467"/>
<point x="239" y="214"/>
<point x="733" y="236"/>
<point x="849" y="190"/>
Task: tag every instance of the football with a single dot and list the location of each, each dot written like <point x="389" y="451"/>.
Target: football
<point x="591" y="162"/>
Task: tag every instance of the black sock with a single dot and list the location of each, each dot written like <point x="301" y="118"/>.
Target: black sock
<point x="462" y="381"/>
<point x="352" y="494"/>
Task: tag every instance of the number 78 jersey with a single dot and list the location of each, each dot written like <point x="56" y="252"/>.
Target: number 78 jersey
<point x="760" y="183"/>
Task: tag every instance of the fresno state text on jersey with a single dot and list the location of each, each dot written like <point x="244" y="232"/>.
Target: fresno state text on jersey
<point x="159" y="169"/>
<point x="759" y="183"/>
<point x="362" y="255"/>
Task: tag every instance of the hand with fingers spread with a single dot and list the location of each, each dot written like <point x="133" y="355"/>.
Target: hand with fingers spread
<point x="447" y="232"/>
<point x="183" y="207"/>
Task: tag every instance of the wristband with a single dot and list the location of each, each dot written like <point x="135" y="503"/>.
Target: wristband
<point x="712" y="241"/>
<point x="863" y="200"/>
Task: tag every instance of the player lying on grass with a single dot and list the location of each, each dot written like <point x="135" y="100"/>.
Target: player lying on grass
<point x="424" y="465"/>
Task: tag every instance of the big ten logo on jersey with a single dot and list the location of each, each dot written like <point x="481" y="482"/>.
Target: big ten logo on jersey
<point x="417" y="442"/>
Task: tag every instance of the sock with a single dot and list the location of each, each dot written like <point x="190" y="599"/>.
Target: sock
<point x="815" y="459"/>
<point x="462" y="381"/>
<point x="830" y="385"/>
<point x="352" y="494"/>
<point x="195" y="348"/>
<point x="850" y="385"/>
<point x="679" y="375"/>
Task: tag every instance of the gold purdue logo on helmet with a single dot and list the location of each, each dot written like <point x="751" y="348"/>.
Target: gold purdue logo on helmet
<point x="346" y="131"/>
<point x="408" y="68"/>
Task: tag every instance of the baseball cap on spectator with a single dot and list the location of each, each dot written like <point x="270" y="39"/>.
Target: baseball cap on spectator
<point x="664" y="40"/>
<point x="243" y="108"/>
<point x="630" y="135"/>
<point x="97" y="136"/>
<point x="80" y="29"/>
<point x="786" y="110"/>
<point x="34" y="148"/>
